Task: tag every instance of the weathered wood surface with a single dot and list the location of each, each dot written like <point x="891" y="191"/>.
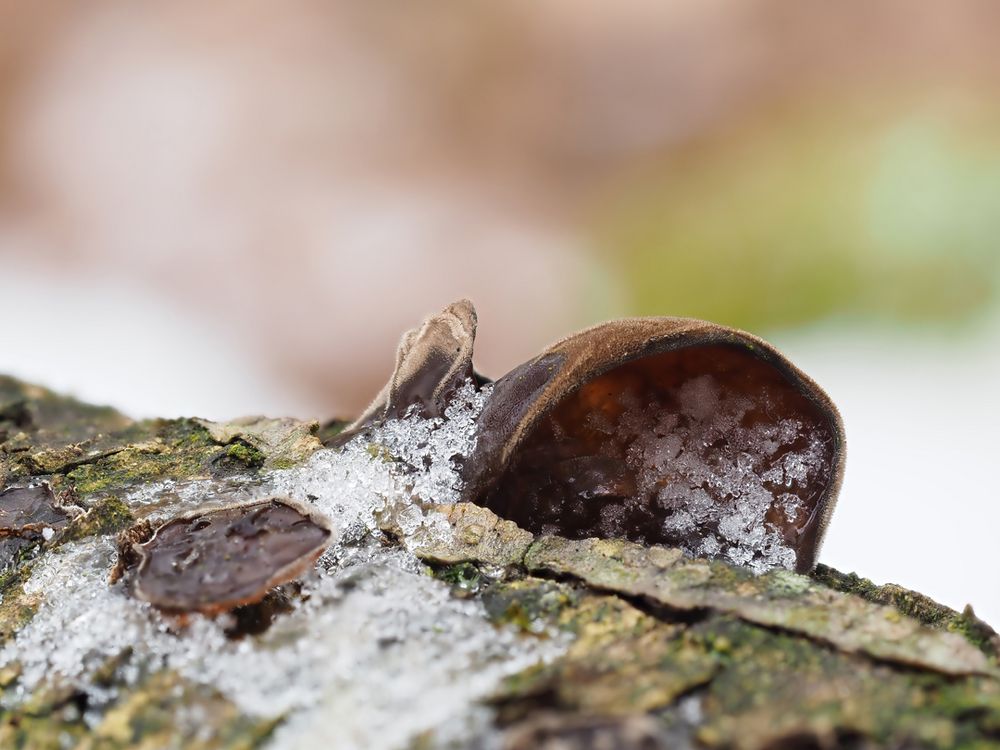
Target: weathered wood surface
<point x="665" y="651"/>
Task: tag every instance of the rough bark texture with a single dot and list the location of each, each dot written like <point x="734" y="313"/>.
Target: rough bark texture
<point x="667" y="651"/>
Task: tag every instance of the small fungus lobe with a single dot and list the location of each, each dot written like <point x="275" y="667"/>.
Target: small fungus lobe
<point x="432" y="362"/>
<point x="213" y="561"/>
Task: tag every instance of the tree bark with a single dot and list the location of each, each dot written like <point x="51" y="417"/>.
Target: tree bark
<point x="663" y="651"/>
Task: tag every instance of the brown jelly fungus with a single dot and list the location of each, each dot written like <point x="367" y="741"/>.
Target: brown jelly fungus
<point x="659" y="430"/>
<point x="432" y="361"/>
<point x="216" y="560"/>
<point x="28" y="515"/>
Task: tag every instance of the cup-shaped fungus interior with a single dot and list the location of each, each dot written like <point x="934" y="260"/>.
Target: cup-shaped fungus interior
<point x="709" y="448"/>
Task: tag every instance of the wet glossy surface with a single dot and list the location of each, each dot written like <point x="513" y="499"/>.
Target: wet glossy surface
<point x="221" y="559"/>
<point x="28" y="515"/>
<point x="709" y="448"/>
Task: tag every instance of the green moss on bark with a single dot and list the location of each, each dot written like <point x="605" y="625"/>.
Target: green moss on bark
<point x="108" y="516"/>
<point x="163" y="711"/>
<point x="915" y="605"/>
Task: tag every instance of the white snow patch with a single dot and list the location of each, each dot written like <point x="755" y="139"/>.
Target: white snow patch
<point x="742" y="468"/>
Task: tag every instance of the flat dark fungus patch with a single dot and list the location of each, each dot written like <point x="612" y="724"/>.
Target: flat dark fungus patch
<point x="709" y="448"/>
<point x="25" y="514"/>
<point x="26" y="510"/>
<point x="214" y="561"/>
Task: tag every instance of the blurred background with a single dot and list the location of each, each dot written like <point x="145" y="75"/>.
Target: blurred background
<point x="237" y="207"/>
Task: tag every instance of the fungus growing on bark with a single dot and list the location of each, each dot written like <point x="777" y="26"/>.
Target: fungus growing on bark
<point x="659" y="430"/>
<point x="668" y="431"/>
<point x="30" y="510"/>
<point x="214" y="561"/>
<point x="29" y="515"/>
<point x="432" y="362"/>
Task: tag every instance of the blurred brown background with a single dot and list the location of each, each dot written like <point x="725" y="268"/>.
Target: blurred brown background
<point x="239" y="206"/>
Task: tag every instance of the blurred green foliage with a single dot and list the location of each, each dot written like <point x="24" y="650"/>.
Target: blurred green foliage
<point x="808" y="219"/>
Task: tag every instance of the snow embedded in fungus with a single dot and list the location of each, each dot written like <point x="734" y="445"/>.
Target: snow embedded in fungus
<point x="390" y="468"/>
<point x="706" y="448"/>
<point x="374" y="651"/>
<point x="747" y="461"/>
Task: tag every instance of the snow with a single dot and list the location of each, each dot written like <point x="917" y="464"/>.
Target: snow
<point x="715" y="453"/>
<point x="705" y="464"/>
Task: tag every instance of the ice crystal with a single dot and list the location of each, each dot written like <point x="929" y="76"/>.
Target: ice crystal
<point x="396" y="469"/>
<point x="749" y="460"/>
